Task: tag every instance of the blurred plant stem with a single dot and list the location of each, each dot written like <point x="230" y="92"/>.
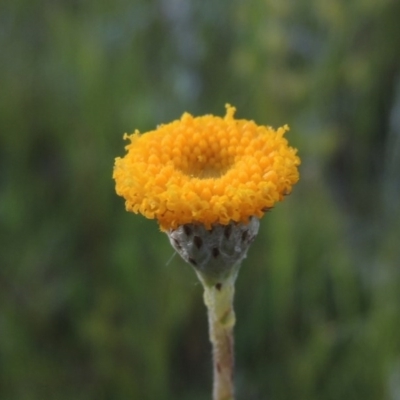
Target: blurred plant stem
<point x="221" y="318"/>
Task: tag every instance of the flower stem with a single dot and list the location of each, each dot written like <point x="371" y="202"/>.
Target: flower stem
<point x="221" y="317"/>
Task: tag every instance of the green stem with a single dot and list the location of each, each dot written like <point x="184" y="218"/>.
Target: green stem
<point x="221" y="317"/>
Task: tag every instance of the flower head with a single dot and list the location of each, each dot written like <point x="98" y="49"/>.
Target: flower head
<point x="207" y="170"/>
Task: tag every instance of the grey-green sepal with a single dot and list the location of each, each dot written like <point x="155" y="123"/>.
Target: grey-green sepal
<point x="216" y="253"/>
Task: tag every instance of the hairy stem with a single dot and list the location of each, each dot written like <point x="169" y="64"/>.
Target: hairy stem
<point x="221" y="317"/>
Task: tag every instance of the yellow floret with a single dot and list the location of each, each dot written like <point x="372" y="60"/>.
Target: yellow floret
<point x="207" y="170"/>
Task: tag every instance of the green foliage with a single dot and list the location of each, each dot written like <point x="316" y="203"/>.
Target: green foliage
<point x="91" y="306"/>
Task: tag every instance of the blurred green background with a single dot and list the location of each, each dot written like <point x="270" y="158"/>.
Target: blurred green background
<point x="91" y="304"/>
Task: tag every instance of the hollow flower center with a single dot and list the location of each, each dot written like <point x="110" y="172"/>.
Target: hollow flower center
<point x="205" y="170"/>
<point x="204" y="159"/>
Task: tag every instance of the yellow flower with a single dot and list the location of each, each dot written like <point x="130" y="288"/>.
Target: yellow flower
<point x="207" y="170"/>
